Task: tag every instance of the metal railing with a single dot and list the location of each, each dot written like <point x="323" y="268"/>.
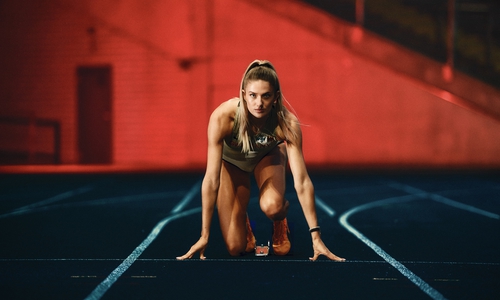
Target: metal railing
<point x="463" y="34"/>
<point x="29" y="140"/>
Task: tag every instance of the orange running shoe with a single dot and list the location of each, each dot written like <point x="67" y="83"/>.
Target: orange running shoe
<point x="250" y="238"/>
<point x="281" y="243"/>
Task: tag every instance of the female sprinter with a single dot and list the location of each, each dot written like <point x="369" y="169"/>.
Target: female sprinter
<point x="255" y="133"/>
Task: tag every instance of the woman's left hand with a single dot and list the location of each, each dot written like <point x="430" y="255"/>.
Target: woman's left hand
<point x="320" y="249"/>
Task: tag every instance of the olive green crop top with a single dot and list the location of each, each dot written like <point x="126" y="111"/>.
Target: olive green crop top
<point x="261" y="144"/>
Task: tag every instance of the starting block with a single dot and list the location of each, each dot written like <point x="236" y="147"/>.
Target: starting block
<point x="262" y="250"/>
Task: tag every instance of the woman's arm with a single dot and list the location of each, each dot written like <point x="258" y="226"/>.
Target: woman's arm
<point x="302" y="182"/>
<point x="219" y="126"/>
<point x="305" y="192"/>
<point x="211" y="181"/>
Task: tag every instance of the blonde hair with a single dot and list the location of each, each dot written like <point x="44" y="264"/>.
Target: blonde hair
<point x="286" y="121"/>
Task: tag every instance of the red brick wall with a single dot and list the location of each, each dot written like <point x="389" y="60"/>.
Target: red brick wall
<point x="174" y="61"/>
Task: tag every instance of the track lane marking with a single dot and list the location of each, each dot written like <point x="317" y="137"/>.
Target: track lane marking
<point x="324" y="207"/>
<point x="62" y="196"/>
<point x="105" y="285"/>
<point x="97" y="202"/>
<point x="458" y="263"/>
<point x="424" y="286"/>
<point x="184" y="202"/>
<point x="438" y="198"/>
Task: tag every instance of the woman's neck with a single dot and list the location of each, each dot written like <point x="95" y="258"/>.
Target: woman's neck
<point x="257" y="124"/>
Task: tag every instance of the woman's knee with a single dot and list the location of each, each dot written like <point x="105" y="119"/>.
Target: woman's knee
<point x="236" y="249"/>
<point x="274" y="209"/>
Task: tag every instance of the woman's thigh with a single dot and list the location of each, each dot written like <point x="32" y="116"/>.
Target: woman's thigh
<point x="232" y="202"/>
<point x="270" y="178"/>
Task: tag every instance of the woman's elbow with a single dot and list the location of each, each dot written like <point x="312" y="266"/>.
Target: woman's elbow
<point x="304" y="186"/>
<point x="210" y="184"/>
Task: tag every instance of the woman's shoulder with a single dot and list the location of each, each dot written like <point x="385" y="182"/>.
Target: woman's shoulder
<point x="227" y="109"/>
<point x="230" y="104"/>
<point x="223" y="116"/>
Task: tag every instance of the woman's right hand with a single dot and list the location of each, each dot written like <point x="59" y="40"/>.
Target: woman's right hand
<point x="199" y="246"/>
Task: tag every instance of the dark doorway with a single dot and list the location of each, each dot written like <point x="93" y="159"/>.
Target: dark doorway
<point x="94" y="115"/>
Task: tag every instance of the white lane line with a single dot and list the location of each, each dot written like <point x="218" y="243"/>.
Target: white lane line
<point x="127" y="199"/>
<point x="288" y="261"/>
<point x="438" y="198"/>
<point x="104" y="286"/>
<point x="103" y="201"/>
<point x="466" y="207"/>
<point x="194" y="190"/>
<point x="434" y="294"/>
<point x="352" y="190"/>
<point x="321" y="204"/>
<point x="65" y="195"/>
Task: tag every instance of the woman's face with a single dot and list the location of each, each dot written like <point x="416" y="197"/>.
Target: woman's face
<point x="260" y="97"/>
